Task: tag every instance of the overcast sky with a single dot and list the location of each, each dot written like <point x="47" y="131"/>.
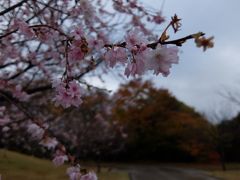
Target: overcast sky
<point x="199" y="76"/>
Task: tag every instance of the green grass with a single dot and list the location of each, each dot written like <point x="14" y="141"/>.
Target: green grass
<point x="18" y="166"/>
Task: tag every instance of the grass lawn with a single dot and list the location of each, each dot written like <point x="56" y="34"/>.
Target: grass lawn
<point x="18" y="166"/>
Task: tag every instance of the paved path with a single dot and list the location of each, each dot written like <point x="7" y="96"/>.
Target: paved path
<point x="165" y="173"/>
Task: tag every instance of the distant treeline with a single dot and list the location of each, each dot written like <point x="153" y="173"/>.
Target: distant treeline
<point x="138" y="122"/>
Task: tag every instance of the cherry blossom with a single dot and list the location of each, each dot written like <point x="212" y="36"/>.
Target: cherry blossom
<point x="48" y="142"/>
<point x="135" y="37"/>
<point x="2" y="110"/>
<point x="5" y="128"/>
<point x="78" y="50"/>
<point x="138" y="64"/>
<point x="115" y="55"/>
<point x="95" y="44"/>
<point x="67" y="94"/>
<point x="74" y="173"/>
<point x="89" y="176"/>
<point x="78" y="33"/>
<point x="135" y="68"/>
<point x="161" y="59"/>
<point x="158" y="19"/>
<point x="59" y="160"/>
<point x="24" y="28"/>
<point x="20" y="94"/>
<point x="35" y="131"/>
<point x="4" y="120"/>
<point x="75" y="55"/>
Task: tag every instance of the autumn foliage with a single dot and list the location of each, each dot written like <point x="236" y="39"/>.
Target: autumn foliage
<point x="159" y="126"/>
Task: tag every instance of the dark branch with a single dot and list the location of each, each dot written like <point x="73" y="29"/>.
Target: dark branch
<point x="49" y="86"/>
<point x="12" y="7"/>
<point x="6" y="65"/>
<point x="88" y="69"/>
<point x="21" y="72"/>
<point x="39" y="89"/>
<point x="177" y="42"/>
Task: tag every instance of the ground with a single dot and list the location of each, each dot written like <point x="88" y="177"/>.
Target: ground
<point x="166" y="172"/>
<point x="17" y="166"/>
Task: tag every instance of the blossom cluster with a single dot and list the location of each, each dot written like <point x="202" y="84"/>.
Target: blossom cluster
<point x="67" y="94"/>
<point x="140" y="58"/>
<point x="39" y="133"/>
<point x="35" y="131"/>
<point x="24" y="28"/>
<point x="4" y="118"/>
<point x="74" y="173"/>
<point x="59" y="158"/>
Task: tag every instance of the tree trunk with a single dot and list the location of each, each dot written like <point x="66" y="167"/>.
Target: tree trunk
<point x="222" y="159"/>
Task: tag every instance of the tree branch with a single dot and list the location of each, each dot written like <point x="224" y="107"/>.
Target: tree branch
<point x="12" y="7"/>
<point x="21" y="72"/>
<point x="177" y="42"/>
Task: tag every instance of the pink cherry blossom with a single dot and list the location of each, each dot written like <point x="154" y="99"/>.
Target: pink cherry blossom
<point x="137" y="67"/>
<point x="4" y="120"/>
<point x="74" y="173"/>
<point x="5" y="129"/>
<point x="63" y="98"/>
<point x="89" y="176"/>
<point x="78" y="50"/>
<point x="48" y="142"/>
<point x="74" y="89"/>
<point x="158" y="19"/>
<point x="35" y="131"/>
<point x="75" y="55"/>
<point x="135" y="37"/>
<point x="161" y="59"/>
<point x="24" y="28"/>
<point x="20" y="94"/>
<point x="67" y="94"/>
<point x="95" y="44"/>
<point x="2" y="110"/>
<point x="59" y="160"/>
<point x="115" y="55"/>
<point x="78" y="33"/>
<point x="45" y="35"/>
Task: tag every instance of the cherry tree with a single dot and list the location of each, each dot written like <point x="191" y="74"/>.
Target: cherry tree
<point x="48" y="46"/>
<point x="90" y="130"/>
